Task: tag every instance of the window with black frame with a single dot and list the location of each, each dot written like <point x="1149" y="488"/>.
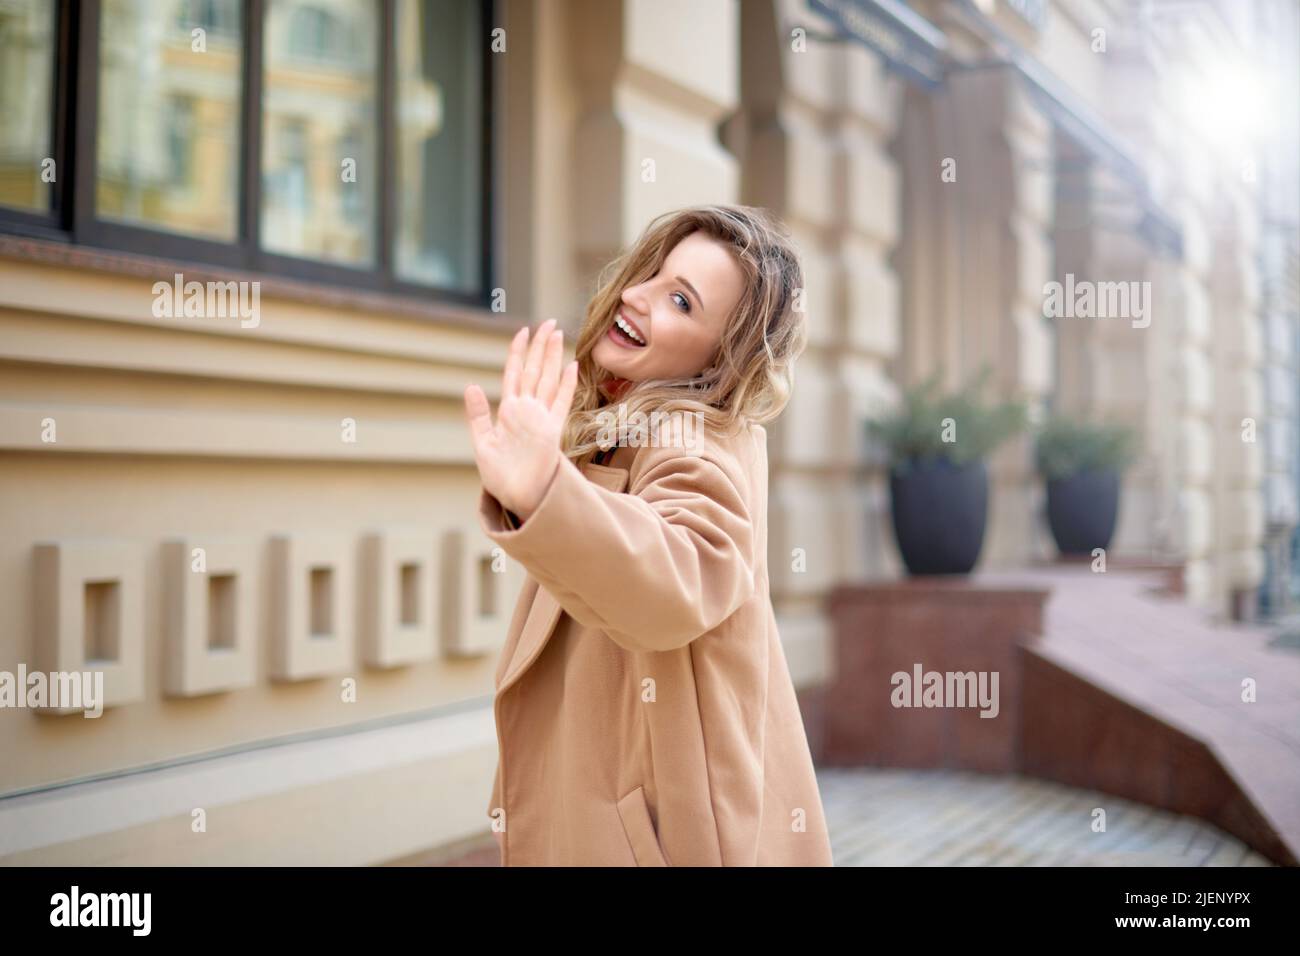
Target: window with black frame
<point x="335" y="140"/>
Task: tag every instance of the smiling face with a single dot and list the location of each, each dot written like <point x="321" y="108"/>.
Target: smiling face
<point x="678" y="314"/>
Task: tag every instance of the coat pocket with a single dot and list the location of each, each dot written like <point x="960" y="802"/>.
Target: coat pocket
<point x="635" y="813"/>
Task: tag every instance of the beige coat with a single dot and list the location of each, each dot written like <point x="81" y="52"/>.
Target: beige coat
<point x="645" y="714"/>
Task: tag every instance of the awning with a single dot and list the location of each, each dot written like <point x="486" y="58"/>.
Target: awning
<point x="907" y="42"/>
<point x="1074" y="118"/>
<point x="915" y="48"/>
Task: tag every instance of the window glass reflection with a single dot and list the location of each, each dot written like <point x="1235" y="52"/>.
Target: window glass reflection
<point x="169" y="102"/>
<point x="319" y="130"/>
<point x="439" y="46"/>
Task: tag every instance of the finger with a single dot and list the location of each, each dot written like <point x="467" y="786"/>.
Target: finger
<point x="564" y="393"/>
<point x="478" y="413"/>
<point x="533" y="364"/>
<point x="552" y="365"/>
<point x="533" y="361"/>
<point x="514" y="363"/>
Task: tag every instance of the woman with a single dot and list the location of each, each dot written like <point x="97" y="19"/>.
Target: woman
<point x="645" y="714"/>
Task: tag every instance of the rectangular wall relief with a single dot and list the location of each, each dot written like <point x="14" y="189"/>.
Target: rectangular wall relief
<point x="480" y="583"/>
<point x="90" y="615"/>
<point x="399" y="590"/>
<point x="210" y="603"/>
<point x="313" y="605"/>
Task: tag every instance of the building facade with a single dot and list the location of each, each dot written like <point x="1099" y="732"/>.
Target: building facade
<point x="252" y="252"/>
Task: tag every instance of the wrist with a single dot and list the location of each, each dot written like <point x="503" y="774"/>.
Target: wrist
<point x="523" y="510"/>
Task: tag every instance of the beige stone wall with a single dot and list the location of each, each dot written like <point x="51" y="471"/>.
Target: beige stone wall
<point x="199" y="432"/>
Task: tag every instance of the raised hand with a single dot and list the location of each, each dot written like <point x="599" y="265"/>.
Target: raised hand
<point x="518" y="455"/>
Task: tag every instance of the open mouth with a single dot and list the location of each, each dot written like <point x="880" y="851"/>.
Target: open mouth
<point x="625" y="333"/>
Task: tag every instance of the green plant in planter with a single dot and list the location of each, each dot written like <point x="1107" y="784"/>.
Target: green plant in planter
<point x="916" y="431"/>
<point x="1068" y="447"/>
<point x="938" y="485"/>
<point x="1081" y="462"/>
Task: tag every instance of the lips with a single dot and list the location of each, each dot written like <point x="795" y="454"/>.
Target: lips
<point x="615" y="335"/>
<point x="640" y="332"/>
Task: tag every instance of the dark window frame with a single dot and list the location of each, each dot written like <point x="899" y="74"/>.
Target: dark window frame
<point x="75" y="114"/>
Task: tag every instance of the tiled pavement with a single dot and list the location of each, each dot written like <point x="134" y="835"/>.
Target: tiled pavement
<point x="1164" y="658"/>
<point x="886" y="817"/>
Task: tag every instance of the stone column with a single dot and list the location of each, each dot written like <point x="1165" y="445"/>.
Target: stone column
<point x="1278" y="196"/>
<point x="1162" y="375"/>
<point x="1109" y="368"/>
<point x="1240" y="416"/>
<point x="975" y="256"/>
<point x="815" y="120"/>
<point x="654" y="78"/>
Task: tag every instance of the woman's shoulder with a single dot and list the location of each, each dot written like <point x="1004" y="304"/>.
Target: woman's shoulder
<point x="738" y="451"/>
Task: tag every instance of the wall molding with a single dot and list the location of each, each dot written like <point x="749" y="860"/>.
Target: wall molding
<point x="116" y="430"/>
<point x="62" y="342"/>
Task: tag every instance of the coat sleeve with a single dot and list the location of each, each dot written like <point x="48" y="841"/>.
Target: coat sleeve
<point x="654" y="568"/>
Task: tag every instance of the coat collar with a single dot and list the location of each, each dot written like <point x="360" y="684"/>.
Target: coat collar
<point x="545" y="610"/>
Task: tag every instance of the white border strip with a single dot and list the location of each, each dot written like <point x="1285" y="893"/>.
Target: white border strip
<point x="79" y="811"/>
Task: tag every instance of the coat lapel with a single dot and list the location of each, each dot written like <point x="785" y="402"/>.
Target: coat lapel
<point x="545" y="611"/>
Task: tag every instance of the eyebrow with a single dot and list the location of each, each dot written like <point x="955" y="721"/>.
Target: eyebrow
<point x="682" y="280"/>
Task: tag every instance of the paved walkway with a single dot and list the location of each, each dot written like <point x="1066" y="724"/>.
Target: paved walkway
<point x="1166" y="658"/>
<point x="886" y="817"/>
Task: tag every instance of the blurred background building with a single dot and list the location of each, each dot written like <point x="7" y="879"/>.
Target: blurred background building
<point x="408" y="181"/>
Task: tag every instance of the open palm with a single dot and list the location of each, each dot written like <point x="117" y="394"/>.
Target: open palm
<point x="518" y="454"/>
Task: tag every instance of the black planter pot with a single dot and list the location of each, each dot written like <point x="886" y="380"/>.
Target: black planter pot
<point x="939" y="512"/>
<point x="1082" y="510"/>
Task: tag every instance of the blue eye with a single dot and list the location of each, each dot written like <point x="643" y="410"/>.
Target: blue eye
<point x="683" y="303"/>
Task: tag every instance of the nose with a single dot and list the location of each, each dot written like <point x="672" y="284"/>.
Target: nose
<point x="635" y="297"/>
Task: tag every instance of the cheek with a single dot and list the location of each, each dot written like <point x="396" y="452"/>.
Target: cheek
<point x="671" y="332"/>
<point x="686" y="349"/>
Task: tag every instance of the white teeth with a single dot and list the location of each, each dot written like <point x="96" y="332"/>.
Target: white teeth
<point x="626" y="327"/>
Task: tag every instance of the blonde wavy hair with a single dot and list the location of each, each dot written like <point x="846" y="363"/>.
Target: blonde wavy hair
<point x="751" y="376"/>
